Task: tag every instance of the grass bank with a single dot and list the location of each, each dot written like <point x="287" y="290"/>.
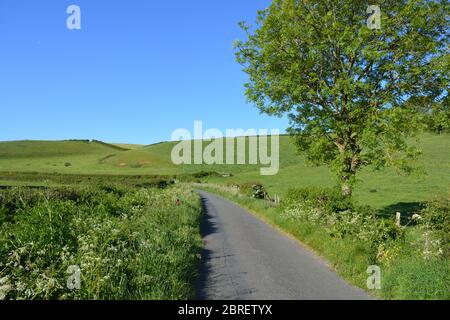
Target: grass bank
<point x="121" y="243"/>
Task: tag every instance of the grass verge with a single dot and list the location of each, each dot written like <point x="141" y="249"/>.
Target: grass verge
<point x="122" y="243"/>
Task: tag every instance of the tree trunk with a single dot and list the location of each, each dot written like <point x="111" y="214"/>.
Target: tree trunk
<point x="348" y="174"/>
<point x="350" y="162"/>
<point x="346" y="186"/>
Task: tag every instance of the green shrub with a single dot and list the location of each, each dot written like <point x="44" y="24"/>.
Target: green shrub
<point x="438" y="121"/>
<point x="340" y="218"/>
<point x="5" y="215"/>
<point x="436" y="215"/>
<point x="157" y="183"/>
<point x="329" y="199"/>
<point x="205" y="174"/>
<point x="435" y="221"/>
<point x="254" y="190"/>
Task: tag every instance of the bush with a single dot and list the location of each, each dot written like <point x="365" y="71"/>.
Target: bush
<point x="435" y="221"/>
<point x="436" y="215"/>
<point x="157" y="183"/>
<point x="329" y="199"/>
<point x="205" y="174"/>
<point x="254" y="190"/>
<point x="340" y="218"/>
<point x="438" y="121"/>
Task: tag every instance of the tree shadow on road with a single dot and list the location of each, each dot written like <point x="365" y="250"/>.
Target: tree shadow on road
<point x="207" y="227"/>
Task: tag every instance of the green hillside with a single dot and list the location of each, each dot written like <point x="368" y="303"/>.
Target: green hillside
<point x="49" y="149"/>
<point x="97" y="158"/>
<point x="379" y="189"/>
<point x="77" y="156"/>
<point x="158" y="156"/>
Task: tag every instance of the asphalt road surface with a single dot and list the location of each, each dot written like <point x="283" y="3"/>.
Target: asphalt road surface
<point x="245" y="259"/>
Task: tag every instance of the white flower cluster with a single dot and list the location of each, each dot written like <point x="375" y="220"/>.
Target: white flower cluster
<point x="5" y="287"/>
<point x="432" y="247"/>
<point x="360" y="226"/>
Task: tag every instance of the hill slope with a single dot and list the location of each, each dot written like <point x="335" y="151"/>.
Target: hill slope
<point x="77" y="156"/>
<point x="376" y="188"/>
<point x="159" y="156"/>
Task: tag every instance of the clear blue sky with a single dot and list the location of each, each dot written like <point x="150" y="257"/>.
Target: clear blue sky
<point x="136" y="71"/>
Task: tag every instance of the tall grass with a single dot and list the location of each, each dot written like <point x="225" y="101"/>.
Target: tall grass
<point x="127" y="243"/>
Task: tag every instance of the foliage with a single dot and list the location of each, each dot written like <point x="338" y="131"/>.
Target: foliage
<point x="129" y="244"/>
<point x="339" y="217"/>
<point x="413" y="267"/>
<point x="140" y="181"/>
<point x="436" y="215"/>
<point x="436" y="116"/>
<point x="205" y="174"/>
<point x="254" y="190"/>
<point x="435" y="222"/>
<point x="439" y="120"/>
<point x="329" y="199"/>
<point x="348" y="89"/>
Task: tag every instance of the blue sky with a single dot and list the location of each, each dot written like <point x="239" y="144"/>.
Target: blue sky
<point x="135" y="72"/>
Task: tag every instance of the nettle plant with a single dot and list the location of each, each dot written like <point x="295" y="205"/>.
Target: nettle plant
<point x="349" y="90"/>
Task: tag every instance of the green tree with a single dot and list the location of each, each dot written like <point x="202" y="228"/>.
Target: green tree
<point x="347" y="88"/>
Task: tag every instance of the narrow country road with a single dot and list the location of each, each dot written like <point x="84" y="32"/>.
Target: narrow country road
<point x="245" y="259"/>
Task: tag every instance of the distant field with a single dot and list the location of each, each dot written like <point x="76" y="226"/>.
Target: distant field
<point x="379" y="189"/>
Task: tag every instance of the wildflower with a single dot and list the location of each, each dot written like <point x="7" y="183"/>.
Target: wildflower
<point x="29" y="293"/>
<point x="4" y="287"/>
<point x="20" y="286"/>
<point x="416" y="217"/>
<point x="4" y="291"/>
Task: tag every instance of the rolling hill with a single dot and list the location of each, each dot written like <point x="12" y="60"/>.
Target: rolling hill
<point x="380" y="189"/>
<point x="75" y="156"/>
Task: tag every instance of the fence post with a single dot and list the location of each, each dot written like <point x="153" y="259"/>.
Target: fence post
<point x="276" y="200"/>
<point x="398" y="219"/>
